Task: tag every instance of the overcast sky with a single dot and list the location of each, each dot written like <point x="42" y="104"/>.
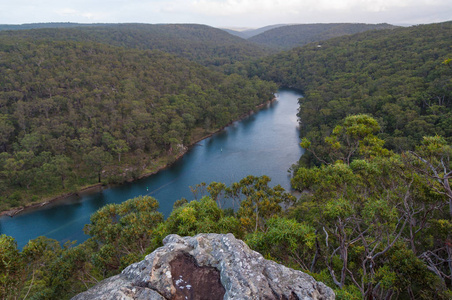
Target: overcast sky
<point x="226" y="13"/>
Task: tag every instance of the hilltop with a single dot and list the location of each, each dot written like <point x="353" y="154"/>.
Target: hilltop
<point x="289" y="36"/>
<point x="248" y="33"/>
<point x="200" y="43"/>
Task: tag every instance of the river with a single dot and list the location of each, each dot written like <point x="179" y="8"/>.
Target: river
<point x="265" y="143"/>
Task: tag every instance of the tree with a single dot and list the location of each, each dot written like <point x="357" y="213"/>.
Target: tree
<point x="69" y="273"/>
<point x="369" y="206"/>
<point x="39" y="255"/>
<point x="260" y="202"/>
<point x="113" y="227"/>
<point x="216" y="189"/>
<point x="96" y="160"/>
<point x="200" y="216"/>
<point x="12" y="268"/>
<point x="6" y="130"/>
<point x="119" y="147"/>
<point x="59" y="165"/>
<point x="432" y="160"/>
<point x="362" y="212"/>
<point x="354" y="138"/>
<point x="286" y="241"/>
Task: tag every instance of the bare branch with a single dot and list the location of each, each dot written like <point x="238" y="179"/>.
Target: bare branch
<point x="326" y="238"/>
<point x="361" y="288"/>
<point x="392" y="243"/>
<point x="336" y="282"/>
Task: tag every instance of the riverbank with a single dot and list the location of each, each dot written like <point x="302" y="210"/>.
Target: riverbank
<point x="14" y="211"/>
<point x="196" y="139"/>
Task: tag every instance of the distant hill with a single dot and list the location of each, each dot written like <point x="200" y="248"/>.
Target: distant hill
<point x="42" y="25"/>
<point x="289" y="36"/>
<point x="200" y="43"/>
<point x="248" y="33"/>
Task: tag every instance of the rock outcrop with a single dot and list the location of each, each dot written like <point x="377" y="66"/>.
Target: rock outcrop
<point x="207" y="266"/>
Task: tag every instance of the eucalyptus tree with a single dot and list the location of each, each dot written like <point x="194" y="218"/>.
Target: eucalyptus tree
<point x="121" y="233"/>
<point x="368" y="207"/>
<point x="432" y="161"/>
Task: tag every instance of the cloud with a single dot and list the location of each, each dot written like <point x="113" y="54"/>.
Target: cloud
<point x="70" y="13"/>
<point x="230" y="7"/>
<point x="226" y="12"/>
<point x="312" y="11"/>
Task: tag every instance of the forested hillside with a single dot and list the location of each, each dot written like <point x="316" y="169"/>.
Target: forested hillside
<point x="248" y="33"/>
<point x="74" y="113"/>
<point x="373" y="214"/>
<point x="200" y="43"/>
<point x="289" y="36"/>
<point x="402" y="77"/>
<point x="44" y="25"/>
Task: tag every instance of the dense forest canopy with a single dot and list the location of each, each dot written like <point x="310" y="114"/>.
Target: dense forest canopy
<point x="373" y="218"/>
<point x="200" y="43"/>
<point x="290" y="36"/>
<point x="399" y="76"/>
<point x="67" y="107"/>
<point x="45" y="25"/>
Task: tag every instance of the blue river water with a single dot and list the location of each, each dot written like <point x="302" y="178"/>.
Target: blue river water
<point x="265" y="143"/>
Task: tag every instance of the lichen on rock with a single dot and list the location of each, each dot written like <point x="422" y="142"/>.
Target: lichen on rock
<point x="208" y="266"/>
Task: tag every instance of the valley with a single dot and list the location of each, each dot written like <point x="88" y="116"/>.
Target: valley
<point x="346" y="175"/>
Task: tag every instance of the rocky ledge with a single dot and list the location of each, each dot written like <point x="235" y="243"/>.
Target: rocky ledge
<point x="207" y="266"/>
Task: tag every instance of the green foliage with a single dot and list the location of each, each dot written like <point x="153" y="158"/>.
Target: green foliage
<point x="260" y="201"/>
<point x="11" y="268"/>
<point x="216" y="191"/>
<point x="396" y="76"/>
<point x="380" y="226"/>
<point x="290" y="36"/>
<point x="350" y="292"/>
<point x="114" y="226"/>
<point x="96" y="160"/>
<point x="407" y="276"/>
<point x="285" y="240"/>
<point x="353" y="139"/>
<point x="68" y="107"/>
<point x="200" y="216"/>
<point x="200" y="43"/>
<point x="68" y="274"/>
<point x="32" y="272"/>
<point x="433" y="160"/>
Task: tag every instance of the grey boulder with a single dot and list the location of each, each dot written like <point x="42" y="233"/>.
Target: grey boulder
<point x="207" y="266"/>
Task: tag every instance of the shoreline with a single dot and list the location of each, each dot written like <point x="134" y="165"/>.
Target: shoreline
<point x="14" y="211"/>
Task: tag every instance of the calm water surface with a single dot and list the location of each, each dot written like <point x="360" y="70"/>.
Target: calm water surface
<point x="265" y="143"/>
